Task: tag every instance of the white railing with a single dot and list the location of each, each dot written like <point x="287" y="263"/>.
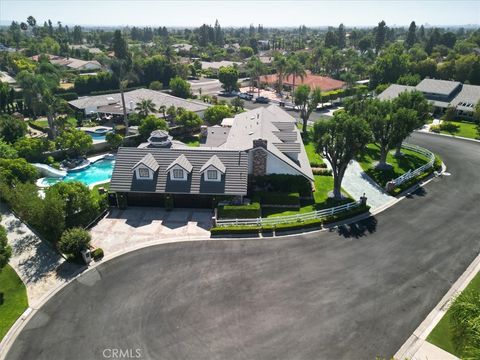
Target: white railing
<point x="317" y="214"/>
<point x="411" y="174"/>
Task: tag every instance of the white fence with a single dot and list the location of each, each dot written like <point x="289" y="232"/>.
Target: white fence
<point x="318" y="214"/>
<point x="411" y="174"/>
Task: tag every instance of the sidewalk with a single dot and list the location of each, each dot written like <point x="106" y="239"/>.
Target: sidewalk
<point x="39" y="266"/>
<point x="356" y="182"/>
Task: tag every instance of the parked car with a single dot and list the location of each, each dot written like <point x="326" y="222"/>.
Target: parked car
<point x="245" y="96"/>
<point x="262" y="100"/>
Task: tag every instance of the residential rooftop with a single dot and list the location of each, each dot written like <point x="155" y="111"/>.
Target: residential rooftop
<point x="324" y="83"/>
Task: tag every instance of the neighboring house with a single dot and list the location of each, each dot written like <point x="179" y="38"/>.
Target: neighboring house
<point x="441" y="94"/>
<point x="214" y="66"/>
<point x="260" y="142"/>
<point x="112" y="103"/>
<point x="182" y="47"/>
<point x="324" y="83"/>
<point x="72" y="63"/>
<point x="91" y="50"/>
<point x="4" y="48"/>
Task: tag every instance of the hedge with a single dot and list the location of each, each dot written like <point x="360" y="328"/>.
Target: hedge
<point x="284" y="183"/>
<point x="114" y="91"/>
<point x="346" y="214"/>
<point x="239" y="211"/>
<point x="68" y="96"/>
<point x="322" y="171"/>
<point x="315" y="164"/>
<point x="225" y="230"/>
<point x="274" y="198"/>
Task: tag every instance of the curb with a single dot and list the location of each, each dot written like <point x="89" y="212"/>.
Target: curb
<point x="14" y="331"/>
<point x="447" y="135"/>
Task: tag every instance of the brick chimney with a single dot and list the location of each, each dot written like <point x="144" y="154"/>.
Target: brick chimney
<point x="259" y="157"/>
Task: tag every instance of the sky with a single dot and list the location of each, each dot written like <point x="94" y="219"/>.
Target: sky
<point x="269" y="13"/>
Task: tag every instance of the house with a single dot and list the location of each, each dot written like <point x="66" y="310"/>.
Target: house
<point x="72" y="63"/>
<point x="324" y="83"/>
<point x="191" y="176"/>
<point x="112" y="103"/>
<point x="182" y="47"/>
<point x="214" y="66"/>
<point x="91" y="50"/>
<point x="260" y="142"/>
<point x="441" y="94"/>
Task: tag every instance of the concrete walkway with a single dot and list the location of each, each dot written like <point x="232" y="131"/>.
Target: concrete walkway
<point x="39" y="266"/>
<point x="356" y="182"/>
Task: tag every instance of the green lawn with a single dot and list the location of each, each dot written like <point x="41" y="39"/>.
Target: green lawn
<point x="192" y="141"/>
<point x="441" y="335"/>
<point x="13" y="299"/>
<point x="43" y="123"/>
<point x="313" y="156"/>
<point x="409" y="161"/>
<point x="466" y="129"/>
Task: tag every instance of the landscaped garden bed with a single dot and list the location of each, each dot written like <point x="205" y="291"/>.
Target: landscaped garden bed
<point x="457" y="128"/>
<point x="457" y="332"/>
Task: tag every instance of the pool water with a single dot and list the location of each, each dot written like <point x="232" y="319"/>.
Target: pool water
<point x="98" y="171"/>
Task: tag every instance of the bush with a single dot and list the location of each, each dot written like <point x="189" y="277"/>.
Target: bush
<point x="180" y="87"/>
<point x="239" y="211"/>
<point x="5" y="249"/>
<point x="215" y="114"/>
<point x="114" y="140"/>
<point x="284" y="183"/>
<point x="435" y="128"/>
<point x="274" y="198"/>
<point x="346" y="214"/>
<point x="321" y="171"/>
<point x="308" y="224"/>
<point x="120" y="129"/>
<point x="449" y="127"/>
<point x="226" y="230"/>
<point x="315" y="164"/>
<point x="156" y="85"/>
<point x="73" y="241"/>
<point x="97" y="254"/>
<point x="149" y="124"/>
<point x="69" y="96"/>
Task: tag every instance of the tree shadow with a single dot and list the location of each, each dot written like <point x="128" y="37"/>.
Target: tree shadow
<point x="420" y="192"/>
<point x="357" y="229"/>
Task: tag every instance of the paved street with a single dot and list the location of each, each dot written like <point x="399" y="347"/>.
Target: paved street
<point x="351" y="293"/>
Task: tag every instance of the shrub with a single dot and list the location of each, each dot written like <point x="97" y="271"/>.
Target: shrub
<point x="275" y="198"/>
<point x="69" y="96"/>
<point x="5" y="249"/>
<point x="180" y="87"/>
<point x="149" y="124"/>
<point x="226" y="230"/>
<point x="97" y="254"/>
<point x="435" y="128"/>
<point x="284" y="183"/>
<point x="215" y="114"/>
<point x="73" y="241"/>
<point x="315" y="164"/>
<point x="156" y="85"/>
<point x="120" y="129"/>
<point x="449" y="127"/>
<point x="239" y="211"/>
<point x="114" y="140"/>
<point x="346" y="214"/>
<point x="321" y="171"/>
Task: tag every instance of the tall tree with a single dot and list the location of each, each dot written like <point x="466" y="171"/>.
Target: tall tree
<point x="307" y="101"/>
<point x="255" y="69"/>
<point x="341" y="37"/>
<point x="411" y="35"/>
<point x="122" y="70"/>
<point x="280" y="65"/>
<point x="380" y="35"/>
<point x="340" y="139"/>
<point x="120" y="47"/>
<point x="295" y="69"/>
<point x="228" y="76"/>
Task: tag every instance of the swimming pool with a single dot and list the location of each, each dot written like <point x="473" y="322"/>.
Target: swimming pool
<point x="98" y="134"/>
<point x="99" y="171"/>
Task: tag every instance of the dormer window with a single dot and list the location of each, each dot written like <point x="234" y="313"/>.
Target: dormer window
<point x="179" y="169"/>
<point x="213" y="169"/>
<point x="146" y="167"/>
<point x="178" y="174"/>
<point x="212" y="174"/>
<point x="143" y="173"/>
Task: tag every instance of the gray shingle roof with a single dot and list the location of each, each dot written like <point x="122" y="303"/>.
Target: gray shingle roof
<point x="149" y="161"/>
<point x="216" y="136"/>
<point x="181" y="161"/>
<point x="158" y="98"/>
<point x="470" y="94"/>
<point x="216" y="163"/>
<point x="434" y="86"/>
<point x="393" y="91"/>
<point x="274" y="125"/>
<point x="233" y="182"/>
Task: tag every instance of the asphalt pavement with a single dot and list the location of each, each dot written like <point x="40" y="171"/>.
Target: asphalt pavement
<point x="351" y="293"/>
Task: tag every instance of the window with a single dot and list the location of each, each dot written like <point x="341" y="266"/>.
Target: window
<point x="212" y="175"/>
<point x="143" y="173"/>
<point x="177" y="173"/>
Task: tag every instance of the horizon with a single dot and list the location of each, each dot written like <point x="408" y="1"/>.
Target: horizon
<point x="239" y="14"/>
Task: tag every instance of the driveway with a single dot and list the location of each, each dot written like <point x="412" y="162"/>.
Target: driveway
<point x="125" y="229"/>
<point x="351" y="293"/>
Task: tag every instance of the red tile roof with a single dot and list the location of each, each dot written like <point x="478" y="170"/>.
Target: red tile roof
<point x="314" y="81"/>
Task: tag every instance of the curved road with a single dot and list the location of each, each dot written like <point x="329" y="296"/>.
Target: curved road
<point x="354" y="293"/>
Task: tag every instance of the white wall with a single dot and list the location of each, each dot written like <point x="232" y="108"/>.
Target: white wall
<point x="274" y="165"/>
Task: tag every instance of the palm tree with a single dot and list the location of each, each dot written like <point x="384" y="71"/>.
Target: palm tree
<point x="123" y="71"/>
<point x="256" y="69"/>
<point x="296" y="69"/>
<point x="280" y="65"/>
<point x="145" y="107"/>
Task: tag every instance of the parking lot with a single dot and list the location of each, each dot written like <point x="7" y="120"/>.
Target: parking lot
<point x="125" y="229"/>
